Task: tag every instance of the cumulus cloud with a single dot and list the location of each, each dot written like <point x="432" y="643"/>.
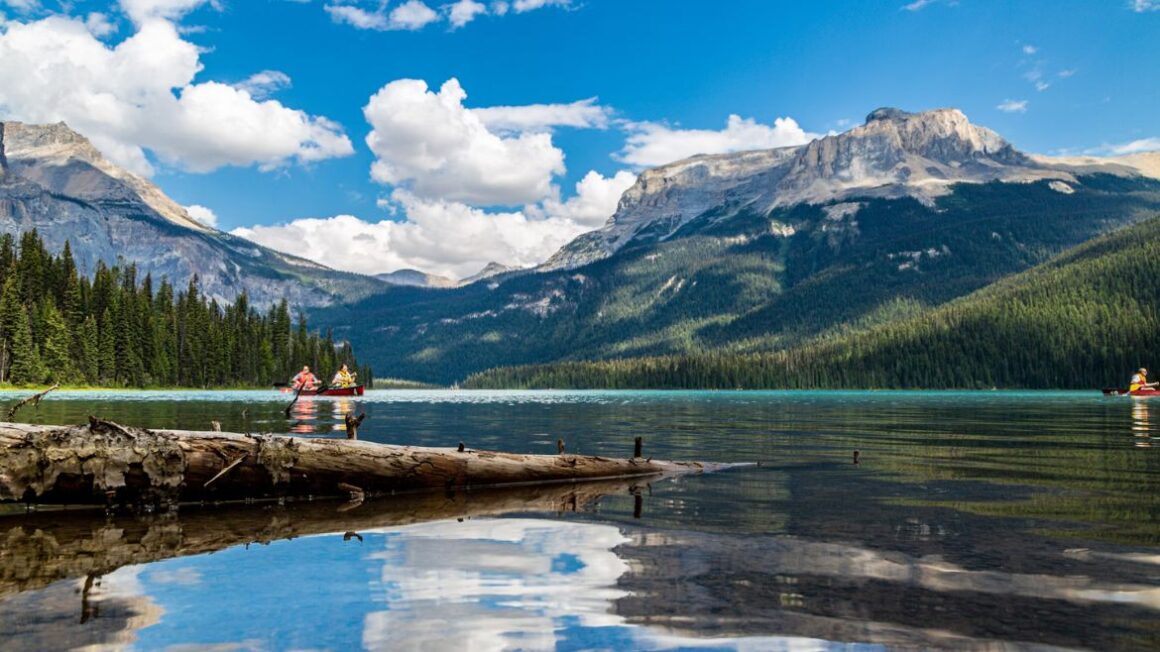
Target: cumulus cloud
<point x="99" y="25"/>
<point x="261" y="85"/>
<point x="1140" y="6"/>
<point x="463" y="12"/>
<point x="140" y="11"/>
<point x="416" y="14"/>
<point x="412" y="15"/>
<point x="650" y="144"/>
<point x="584" y="114"/>
<point x="1030" y="49"/>
<point x="357" y="17"/>
<point x="1013" y="106"/>
<point x="202" y="214"/>
<point x="139" y="95"/>
<point x="22" y="6"/>
<point x="445" y="237"/>
<point x="431" y="144"/>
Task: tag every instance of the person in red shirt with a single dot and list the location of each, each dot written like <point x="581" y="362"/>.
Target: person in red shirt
<point x="304" y="380"/>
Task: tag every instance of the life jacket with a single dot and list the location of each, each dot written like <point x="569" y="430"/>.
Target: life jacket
<point x="1137" y="382"/>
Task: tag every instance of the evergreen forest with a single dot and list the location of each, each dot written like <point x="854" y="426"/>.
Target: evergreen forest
<point x="115" y="330"/>
<point x="1086" y="319"/>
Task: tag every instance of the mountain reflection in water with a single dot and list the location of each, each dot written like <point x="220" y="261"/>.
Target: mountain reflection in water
<point x="975" y="520"/>
<point x="388" y="579"/>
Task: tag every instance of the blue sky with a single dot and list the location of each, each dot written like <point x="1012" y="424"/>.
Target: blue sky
<point x="1052" y="77"/>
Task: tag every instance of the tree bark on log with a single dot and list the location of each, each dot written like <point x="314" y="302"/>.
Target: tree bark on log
<point x="105" y="463"/>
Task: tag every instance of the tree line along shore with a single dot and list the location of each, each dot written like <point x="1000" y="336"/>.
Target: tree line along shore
<point x="115" y="330"/>
<point x="1085" y="319"/>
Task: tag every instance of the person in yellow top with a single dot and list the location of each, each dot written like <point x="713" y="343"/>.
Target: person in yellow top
<point x="343" y="378"/>
<point x="1140" y="381"/>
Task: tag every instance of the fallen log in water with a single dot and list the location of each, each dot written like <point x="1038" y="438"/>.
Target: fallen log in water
<point x="107" y="464"/>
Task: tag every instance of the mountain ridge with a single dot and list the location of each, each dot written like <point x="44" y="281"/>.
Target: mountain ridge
<point x="893" y="154"/>
<point x="56" y="182"/>
<point x="705" y="255"/>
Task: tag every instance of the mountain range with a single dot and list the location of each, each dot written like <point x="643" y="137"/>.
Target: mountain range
<point x="767" y="250"/>
<point x="747" y="252"/>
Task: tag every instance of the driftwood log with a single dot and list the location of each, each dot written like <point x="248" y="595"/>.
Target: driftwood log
<point x="104" y="463"/>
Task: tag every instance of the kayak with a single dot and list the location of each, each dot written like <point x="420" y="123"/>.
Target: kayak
<point x="357" y="390"/>
<point x="1123" y="391"/>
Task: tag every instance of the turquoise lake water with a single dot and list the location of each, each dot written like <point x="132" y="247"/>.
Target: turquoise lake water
<point x="973" y="520"/>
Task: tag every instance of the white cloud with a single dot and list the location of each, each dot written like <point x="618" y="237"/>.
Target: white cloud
<point x="1041" y="85"/>
<point x="1030" y="49"/>
<point x="22" y="6"/>
<point x="463" y="12"/>
<point x="1134" y="147"/>
<point x="202" y="214"/>
<point x="412" y="15"/>
<point x="916" y="5"/>
<point x="433" y="145"/>
<point x="140" y="11"/>
<point x="99" y="25"/>
<point x="1064" y="74"/>
<point x="584" y="114"/>
<point x="521" y="6"/>
<point x="595" y="200"/>
<point x="1145" y="5"/>
<point x="139" y="95"/>
<point x="409" y="16"/>
<point x="356" y="17"/>
<point x="651" y="144"/>
<point x="261" y="85"/>
<point x="1013" y="106"/>
<point x="447" y="238"/>
<point x="416" y="14"/>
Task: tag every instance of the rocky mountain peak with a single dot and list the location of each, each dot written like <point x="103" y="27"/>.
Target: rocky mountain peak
<point x="23" y="140"/>
<point x="895" y="154"/>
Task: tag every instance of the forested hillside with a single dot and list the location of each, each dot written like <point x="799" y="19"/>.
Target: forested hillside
<point x="741" y="280"/>
<point x="118" y="330"/>
<point x="1085" y="319"/>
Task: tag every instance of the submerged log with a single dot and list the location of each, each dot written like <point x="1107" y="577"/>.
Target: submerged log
<point x="104" y="463"/>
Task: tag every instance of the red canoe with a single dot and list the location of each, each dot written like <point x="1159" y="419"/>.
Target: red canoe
<point x="357" y="390"/>
<point x="1123" y="391"/>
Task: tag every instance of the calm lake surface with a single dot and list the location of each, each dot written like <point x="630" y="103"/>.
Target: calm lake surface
<point x="974" y="521"/>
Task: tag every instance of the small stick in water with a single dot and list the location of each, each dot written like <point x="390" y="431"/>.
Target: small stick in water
<point x="352" y="424"/>
<point x="216" y="426"/>
<point x="857" y="454"/>
<point x="560" y="446"/>
<point x="637" y="450"/>
<point x="34" y="400"/>
<point x="460" y="447"/>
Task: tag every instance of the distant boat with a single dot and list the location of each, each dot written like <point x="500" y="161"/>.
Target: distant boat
<point x="1124" y="391"/>
<point x="357" y="390"/>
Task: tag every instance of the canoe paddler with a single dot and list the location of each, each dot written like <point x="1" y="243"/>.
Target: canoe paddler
<point x="304" y="380"/>
<point x="1140" y="380"/>
<point x="343" y="378"/>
